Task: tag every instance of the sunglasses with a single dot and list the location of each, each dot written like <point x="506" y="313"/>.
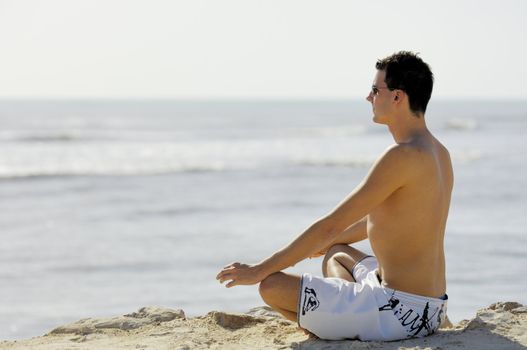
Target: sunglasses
<point x="375" y="89"/>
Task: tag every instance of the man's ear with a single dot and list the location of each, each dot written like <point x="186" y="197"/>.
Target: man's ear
<point x="398" y="96"/>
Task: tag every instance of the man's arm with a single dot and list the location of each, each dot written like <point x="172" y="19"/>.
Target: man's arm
<point x="354" y="233"/>
<point x="387" y="175"/>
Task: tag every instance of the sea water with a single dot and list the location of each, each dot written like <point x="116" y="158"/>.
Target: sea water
<point x="108" y="206"/>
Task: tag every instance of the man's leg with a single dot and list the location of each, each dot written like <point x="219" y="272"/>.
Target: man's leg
<point x="340" y="260"/>
<point x="280" y="291"/>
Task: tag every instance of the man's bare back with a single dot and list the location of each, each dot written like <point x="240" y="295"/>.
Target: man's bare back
<point x="406" y="230"/>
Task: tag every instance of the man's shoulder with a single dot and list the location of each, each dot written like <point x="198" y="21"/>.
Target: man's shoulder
<point x="407" y="160"/>
<point x="404" y="152"/>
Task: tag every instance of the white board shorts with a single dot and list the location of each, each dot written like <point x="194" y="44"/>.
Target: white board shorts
<point x="335" y="309"/>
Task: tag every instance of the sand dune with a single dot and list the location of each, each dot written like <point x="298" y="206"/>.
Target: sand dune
<point x="502" y="325"/>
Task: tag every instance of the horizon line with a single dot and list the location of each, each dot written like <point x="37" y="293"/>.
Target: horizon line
<point x="243" y="99"/>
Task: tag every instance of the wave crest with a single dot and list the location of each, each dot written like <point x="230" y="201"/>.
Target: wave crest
<point x="461" y="124"/>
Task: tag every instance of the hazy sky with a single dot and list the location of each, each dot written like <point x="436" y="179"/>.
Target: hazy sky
<point x="255" y="48"/>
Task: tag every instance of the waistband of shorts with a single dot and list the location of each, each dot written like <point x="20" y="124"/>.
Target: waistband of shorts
<point x="415" y="298"/>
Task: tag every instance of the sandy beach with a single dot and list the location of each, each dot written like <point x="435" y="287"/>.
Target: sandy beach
<point x="502" y="325"/>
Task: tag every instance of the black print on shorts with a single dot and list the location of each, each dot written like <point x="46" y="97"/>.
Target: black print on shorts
<point x="424" y="322"/>
<point x="310" y="300"/>
<point x="439" y="314"/>
<point x="392" y="303"/>
<point x="414" y="322"/>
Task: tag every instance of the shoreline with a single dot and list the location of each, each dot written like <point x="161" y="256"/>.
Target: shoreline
<point x="502" y="325"/>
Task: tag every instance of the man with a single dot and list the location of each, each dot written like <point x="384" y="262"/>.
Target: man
<point x="401" y="207"/>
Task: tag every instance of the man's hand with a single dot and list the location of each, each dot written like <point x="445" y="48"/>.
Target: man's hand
<point x="240" y="274"/>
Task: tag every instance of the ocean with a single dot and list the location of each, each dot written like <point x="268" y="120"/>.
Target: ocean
<point x="110" y="205"/>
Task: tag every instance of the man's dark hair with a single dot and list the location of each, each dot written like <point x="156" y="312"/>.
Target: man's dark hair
<point x="408" y="72"/>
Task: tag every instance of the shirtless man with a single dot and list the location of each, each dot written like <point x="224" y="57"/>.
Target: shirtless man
<point x="401" y="206"/>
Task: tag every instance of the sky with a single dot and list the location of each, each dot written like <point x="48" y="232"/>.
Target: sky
<point x="256" y="49"/>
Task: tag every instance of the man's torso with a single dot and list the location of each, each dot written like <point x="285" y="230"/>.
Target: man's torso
<point x="406" y="231"/>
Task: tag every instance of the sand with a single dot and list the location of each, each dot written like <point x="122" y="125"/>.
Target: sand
<point x="502" y="325"/>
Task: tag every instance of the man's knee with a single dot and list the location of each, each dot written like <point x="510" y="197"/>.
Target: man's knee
<point x="268" y="285"/>
<point x="343" y="251"/>
<point x="333" y="251"/>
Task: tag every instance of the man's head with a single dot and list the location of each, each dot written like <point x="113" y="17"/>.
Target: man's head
<point x="406" y="72"/>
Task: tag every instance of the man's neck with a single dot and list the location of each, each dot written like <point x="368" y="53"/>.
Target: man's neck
<point x="408" y="129"/>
